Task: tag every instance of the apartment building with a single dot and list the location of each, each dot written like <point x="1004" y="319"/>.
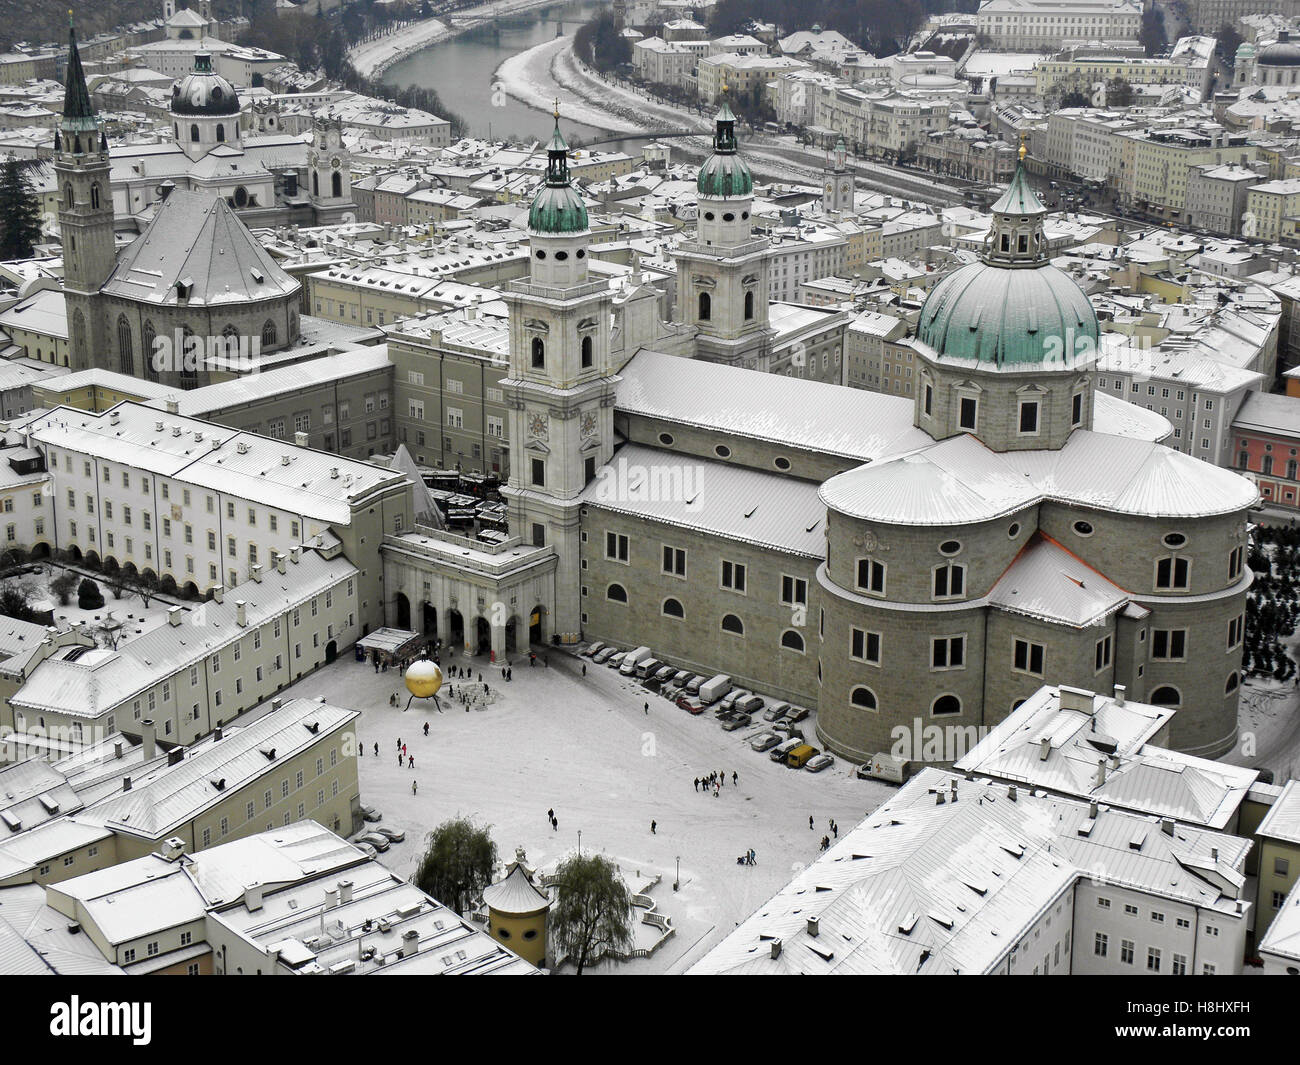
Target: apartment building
<point x="1040" y="25"/>
<point x="744" y="76"/>
<point x="1271" y="210"/>
<point x="1154" y="164"/>
<point x="869" y="353"/>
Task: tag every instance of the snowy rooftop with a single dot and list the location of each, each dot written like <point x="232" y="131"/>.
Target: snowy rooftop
<point x="1283" y="820"/>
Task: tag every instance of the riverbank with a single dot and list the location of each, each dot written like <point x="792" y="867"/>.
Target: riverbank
<point x="371" y="58"/>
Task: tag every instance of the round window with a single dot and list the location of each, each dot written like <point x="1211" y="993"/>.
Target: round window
<point x="1083" y="528"/>
<point x="503" y="933"/>
<point x="561" y="256"/>
<point x="541" y="254"/>
<point x="1175" y="540"/>
<point x="949" y="547"/>
<point x="708" y="216"/>
<point x="781" y="462"/>
<point x="1014" y="530"/>
<point x="531" y="933"/>
<point x="728" y="217"/>
<point x="744" y="215"/>
<point x="666" y="439"/>
<point x="722" y="451"/>
<point x="581" y="253"/>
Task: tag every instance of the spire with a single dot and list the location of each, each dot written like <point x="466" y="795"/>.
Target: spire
<point x="557" y="155"/>
<point x="724" y="135"/>
<point x="1016" y="237"/>
<point x="78" y="115"/>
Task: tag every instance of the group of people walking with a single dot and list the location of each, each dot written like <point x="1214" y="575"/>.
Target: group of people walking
<point x="715" y="782"/>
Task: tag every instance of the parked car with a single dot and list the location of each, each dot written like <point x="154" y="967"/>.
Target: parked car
<point x="778" y="753"/>
<point x="366" y="849"/>
<point x="738" y="721"/>
<point x="775" y="711"/>
<point x="751" y="704"/>
<point x="801" y="755"/>
<point x="765" y="741"/>
<point x="593" y="649"/>
<point x="651" y="684"/>
<point x="723" y="714"/>
<point x="369" y="813"/>
<point x="681" y="677"/>
<point x="375" y="839"/>
<point x="603" y="655"/>
<point x="665" y="674"/>
<point x="690" y="704"/>
<point x="733" y="697"/>
<point x="615" y="661"/>
<point x="820" y="762"/>
<point x="693" y="685"/>
<point x="796" y="714"/>
<point x="393" y="835"/>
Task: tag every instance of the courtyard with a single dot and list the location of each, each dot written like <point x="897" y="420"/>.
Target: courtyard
<point x="587" y="748"/>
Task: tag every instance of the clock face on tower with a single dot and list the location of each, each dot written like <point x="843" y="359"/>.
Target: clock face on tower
<point x="336" y="162"/>
<point x="589" y="424"/>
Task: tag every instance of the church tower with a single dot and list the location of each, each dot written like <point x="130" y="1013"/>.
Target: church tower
<point x="560" y="391"/>
<point x="81" y="166"/>
<point x="722" y="275"/>
<point x="330" y="172"/>
<point x="837" y="182"/>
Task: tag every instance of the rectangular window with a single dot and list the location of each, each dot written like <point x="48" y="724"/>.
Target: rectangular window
<point x="1168" y="645"/>
<point x="864" y="646"/>
<point x="616" y="547"/>
<point x="794" y="591"/>
<point x="733" y="576"/>
<point x="1101" y="659"/>
<point x="1076" y="409"/>
<point x="947" y="652"/>
<point x="1028" y="657"/>
<point x="539" y="472"/>
<point x="1029" y="417"/>
<point x="871" y="576"/>
<point x="674" y="561"/>
<point x="968" y="411"/>
<point x="1126" y="951"/>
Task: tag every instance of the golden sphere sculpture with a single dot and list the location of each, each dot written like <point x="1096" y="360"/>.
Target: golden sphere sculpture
<point x="423" y="678"/>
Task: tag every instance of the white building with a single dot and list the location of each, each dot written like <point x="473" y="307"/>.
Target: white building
<point x="1040" y="25"/>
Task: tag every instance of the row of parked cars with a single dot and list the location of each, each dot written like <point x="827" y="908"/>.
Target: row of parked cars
<point x="734" y="707"/>
<point x="376" y="839"/>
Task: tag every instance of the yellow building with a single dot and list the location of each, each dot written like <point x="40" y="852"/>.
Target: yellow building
<point x="1154" y="164"/>
<point x="1271" y="209"/>
<point x="517" y="912"/>
<point x="1279" y="856"/>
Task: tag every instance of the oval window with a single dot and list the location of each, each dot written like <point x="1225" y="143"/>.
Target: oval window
<point x="561" y="255"/>
<point x="781" y="462"/>
<point x="1083" y="528"/>
<point x="666" y="439"/>
<point x="541" y="254"/>
<point x="1014" y="530"/>
<point x="949" y="547"/>
<point x="1175" y="540"/>
<point x="531" y="933"/>
<point x="580" y="253"/>
<point x="728" y="217"/>
<point x="708" y="216"/>
<point x="722" y="451"/>
<point x="744" y="215"/>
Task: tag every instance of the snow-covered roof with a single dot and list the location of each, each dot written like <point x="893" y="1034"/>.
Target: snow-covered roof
<point x="1047" y="582"/>
<point x="1283" y="820"/>
<point x="515" y="894"/>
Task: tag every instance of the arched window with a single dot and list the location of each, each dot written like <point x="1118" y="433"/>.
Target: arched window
<point x="269" y="334"/>
<point x="706" y="307"/>
<point x="94" y="194"/>
<point x="586" y="353"/>
<point x="673" y="609"/>
<point x="194" y="132"/>
<point x="792" y="641"/>
<point x="221" y="132"/>
<point x="616" y="593"/>
<point x="230" y="341"/>
<point x="241" y="197"/>
<point x="539" y="353"/>
<point x="67" y="196"/>
<point x="1231" y="685"/>
<point x="188" y="359"/>
<point x="150" y="368"/>
<point x="731" y="623"/>
<point x="749" y="306"/>
<point x="336" y="185"/>
<point x="1166" y="695"/>
<point x="864" y="698"/>
<point x="125" y="347"/>
<point x="315" y="184"/>
<point x="946" y="706"/>
<point x="78" y="331"/>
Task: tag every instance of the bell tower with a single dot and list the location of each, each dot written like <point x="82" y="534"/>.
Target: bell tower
<point x="560" y="392"/>
<point x="330" y="171"/>
<point x="81" y="166"/>
<point x="722" y="274"/>
<point x="837" y="182"/>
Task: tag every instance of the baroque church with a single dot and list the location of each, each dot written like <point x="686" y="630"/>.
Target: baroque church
<point x="195" y="271"/>
<point x="895" y="563"/>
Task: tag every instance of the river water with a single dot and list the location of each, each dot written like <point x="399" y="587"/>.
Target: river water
<point x="460" y="70"/>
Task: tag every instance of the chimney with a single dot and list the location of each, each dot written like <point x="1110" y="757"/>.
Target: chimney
<point x="174" y="615"/>
<point x="173" y="848"/>
<point x="285" y="460"/>
<point x="410" y="942"/>
<point x="1101" y="771"/>
<point x="165" y="190"/>
<point x="276" y="704"/>
<point x="173" y="406"/>
<point x="113" y="417"/>
<point x="294" y="552"/>
<point x="334" y="473"/>
<point x="126" y="783"/>
<point x="1167" y="825"/>
<point x="776" y="948"/>
<point x="256" y="573"/>
<point x="1214" y="854"/>
<point x="148" y="739"/>
<point x="1044" y="748"/>
<point x="953" y="789"/>
<point x="216" y="443"/>
<point x="218" y="591"/>
<point x="814" y="926"/>
<point x="300" y="439"/>
<point x="1011" y="793"/>
<point x="253" y="897"/>
<point x="345" y="891"/>
<point x="939" y="800"/>
<point x="1092" y="809"/>
<point x="1119" y="694"/>
<point x="217" y="734"/>
<point x="117" y="748"/>
<point x="176" y="756"/>
<point x="331" y="898"/>
<point x="241" y="613"/>
<point x="279" y="563"/>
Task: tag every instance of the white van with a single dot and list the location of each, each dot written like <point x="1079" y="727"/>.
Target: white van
<point x="714" y="689"/>
<point x="633" y="659"/>
<point x="884" y="766"/>
<point x="778" y="753"/>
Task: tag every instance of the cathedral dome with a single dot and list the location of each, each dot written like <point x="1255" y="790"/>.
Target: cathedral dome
<point x="557" y="209"/>
<point x="724" y="174"/>
<point x="204" y="92"/>
<point x="1013" y="308"/>
<point x="1283" y="53"/>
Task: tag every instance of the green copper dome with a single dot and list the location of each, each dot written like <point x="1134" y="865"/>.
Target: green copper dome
<point x="1014" y="308"/>
<point x="724" y="173"/>
<point x="557" y="208"/>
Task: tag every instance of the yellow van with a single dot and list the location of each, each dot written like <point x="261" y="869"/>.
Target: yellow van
<point x="798" y="758"/>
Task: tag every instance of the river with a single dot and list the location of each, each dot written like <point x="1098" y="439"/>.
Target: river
<point x="460" y="70"/>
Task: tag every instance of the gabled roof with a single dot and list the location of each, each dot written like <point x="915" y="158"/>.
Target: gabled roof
<point x="1046" y="581"/>
<point x="196" y="252"/>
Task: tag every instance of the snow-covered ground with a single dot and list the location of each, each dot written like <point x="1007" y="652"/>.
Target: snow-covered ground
<point x="527" y="77"/>
<point x="373" y="57"/>
<point x="587" y="748"/>
<point x="134" y="617"/>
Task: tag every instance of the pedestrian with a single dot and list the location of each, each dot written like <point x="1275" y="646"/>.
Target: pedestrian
<point x="510" y="673"/>
<point x="361" y="751"/>
<point x="550" y="814"/>
<point x="716" y="791"/>
<point x="399" y="759"/>
<point x="376" y="665"/>
<point x="653" y="825"/>
<point x="647" y="709"/>
<point x="503" y="673"/>
<point x="836" y="829"/>
<point x="810" y="823"/>
<point x="426" y="728"/>
<point x="697" y="783"/>
<point x="555" y="823"/>
<point x="403" y="748"/>
<point x="411" y="764"/>
<point x="584" y="669"/>
<point x="486" y="691"/>
<point x="399" y="743"/>
<point x="546" y="661"/>
<point x="415" y="787"/>
<point x="376" y="750"/>
<point x="735" y="778"/>
<point x="480" y="678"/>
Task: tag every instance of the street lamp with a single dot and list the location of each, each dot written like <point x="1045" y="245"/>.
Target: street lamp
<point x="678" y="881"/>
<point x="579" y="843"/>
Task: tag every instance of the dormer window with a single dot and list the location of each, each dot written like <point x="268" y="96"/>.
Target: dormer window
<point x="1029" y="417"/>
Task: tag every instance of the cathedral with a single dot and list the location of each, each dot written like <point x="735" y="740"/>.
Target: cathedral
<point x="195" y="277"/>
<point x="896" y="563"/>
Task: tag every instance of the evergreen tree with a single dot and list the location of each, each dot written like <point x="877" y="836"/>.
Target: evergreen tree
<point x="20" y="214"/>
